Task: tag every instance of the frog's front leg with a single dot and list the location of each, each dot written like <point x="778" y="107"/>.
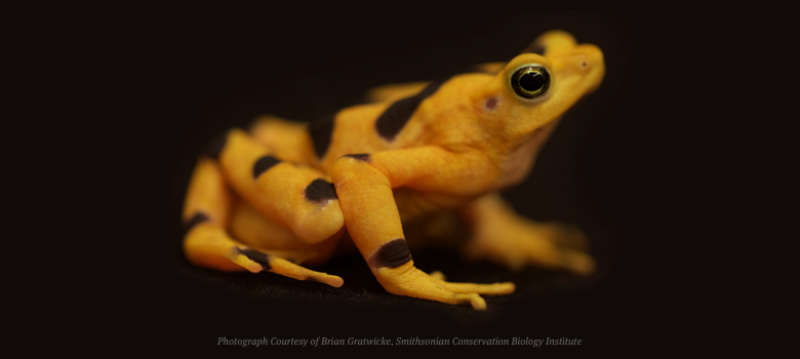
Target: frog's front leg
<point x="504" y="237"/>
<point x="364" y="185"/>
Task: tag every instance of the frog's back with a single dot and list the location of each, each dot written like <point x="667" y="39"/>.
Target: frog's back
<point x="434" y="115"/>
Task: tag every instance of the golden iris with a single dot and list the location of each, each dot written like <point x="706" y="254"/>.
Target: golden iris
<point x="530" y="81"/>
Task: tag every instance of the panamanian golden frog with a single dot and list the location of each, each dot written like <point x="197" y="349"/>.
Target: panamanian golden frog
<point x="283" y="196"/>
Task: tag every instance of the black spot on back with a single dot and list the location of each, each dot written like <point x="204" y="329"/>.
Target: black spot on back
<point x="215" y="147"/>
<point x="320" y="190"/>
<point x="321" y="132"/>
<point x="258" y="257"/>
<point x="395" y="117"/>
<point x="263" y="164"/>
<point x="198" y="218"/>
<point x="359" y="156"/>
<point x="391" y="255"/>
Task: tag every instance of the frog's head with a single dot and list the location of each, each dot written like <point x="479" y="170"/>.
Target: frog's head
<point x="534" y="89"/>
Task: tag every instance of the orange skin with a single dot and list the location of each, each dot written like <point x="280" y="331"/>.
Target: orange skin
<point x="474" y="135"/>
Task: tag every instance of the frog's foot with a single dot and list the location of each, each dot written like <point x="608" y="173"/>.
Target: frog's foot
<point x="536" y="248"/>
<point x="256" y="261"/>
<point x="559" y="234"/>
<point x="502" y="236"/>
<point x="409" y="281"/>
<point x="207" y="245"/>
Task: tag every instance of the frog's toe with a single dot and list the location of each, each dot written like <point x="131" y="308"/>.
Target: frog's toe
<point x="568" y="249"/>
<point x="561" y="258"/>
<point x="564" y="235"/>
<point x="520" y="252"/>
<point x="257" y="261"/>
<point x="249" y="259"/>
<point x="289" y="269"/>
<point x="438" y="275"/>
<point x="409" y="281"/>
<point x="488" y="289"/>
<point x="473" y="299"/>
<point x="578" y="262"/>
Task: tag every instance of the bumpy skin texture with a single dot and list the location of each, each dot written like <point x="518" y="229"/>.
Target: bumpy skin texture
<point x="284" y="196"/>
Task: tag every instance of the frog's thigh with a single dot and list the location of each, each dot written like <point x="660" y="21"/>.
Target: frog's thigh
<point x="502" y="236"/>
<point x="373" y="222"/>
<point x="287" y="140"/>
<point x="206" y="243"/>
<point x="296" y="196"/>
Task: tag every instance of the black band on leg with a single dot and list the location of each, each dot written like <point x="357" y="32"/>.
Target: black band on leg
<point x="256" y="256"/>
<point x="391" y="255"/>
<point x="198" y="218"/>
<point x="359" y="156"/>
<point x="320" y="190"/>
<point x="263" y="164"/>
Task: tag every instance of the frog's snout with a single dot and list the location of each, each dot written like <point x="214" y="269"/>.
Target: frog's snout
<point x="590" y="60"/>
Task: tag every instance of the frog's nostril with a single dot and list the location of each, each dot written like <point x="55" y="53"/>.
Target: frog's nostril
<point x="583" y="63"/>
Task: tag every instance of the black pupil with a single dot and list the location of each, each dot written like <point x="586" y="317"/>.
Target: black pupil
<point x="531" y="81"/>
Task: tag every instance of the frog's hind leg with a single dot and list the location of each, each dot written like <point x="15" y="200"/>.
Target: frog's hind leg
<point x="295" y="195"/>
<point x="502" y="236"/>
<point x="207" y="244"/>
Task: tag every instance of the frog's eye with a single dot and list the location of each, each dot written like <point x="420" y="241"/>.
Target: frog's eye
<point x="530" y="81"/>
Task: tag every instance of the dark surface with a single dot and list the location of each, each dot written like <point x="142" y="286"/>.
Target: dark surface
<point x="595" y="172"/>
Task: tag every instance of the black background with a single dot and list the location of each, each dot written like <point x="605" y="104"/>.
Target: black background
<point x="602" y="170"/>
